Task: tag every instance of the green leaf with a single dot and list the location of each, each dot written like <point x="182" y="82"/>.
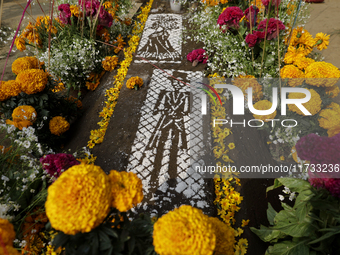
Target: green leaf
<point x="288" y="248"/>
<point x="325" y="236"/>
<point x="110" y="232"/>
<point x="271" y="213"/>
<point x="131" y="244"/>
<point x="60" y="240"/>
<point x="267" y="234"/>
<point x="277" y="184"/>
<point x="295" y="185"/>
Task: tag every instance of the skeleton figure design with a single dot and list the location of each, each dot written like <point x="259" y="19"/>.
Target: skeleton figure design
<point x="158" y="44"/>
<point x="172" y="107"/>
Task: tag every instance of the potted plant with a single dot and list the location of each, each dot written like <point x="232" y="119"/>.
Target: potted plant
<point x="175" y="5"/>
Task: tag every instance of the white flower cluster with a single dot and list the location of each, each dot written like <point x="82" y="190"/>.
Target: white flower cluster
<point x="72" y="60"/>
<point x="292" y="195"/>
<point x="287" y="135"/>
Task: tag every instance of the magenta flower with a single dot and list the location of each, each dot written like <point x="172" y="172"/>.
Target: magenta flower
<point x="252" y="14"/>
<point x="274" y="2"/>
<point x="198" y="55"/>
<point x="65" y="13"/>
<point x="230" y="17"/>
<point x="91" y="7"/>
<point x="251" y="40"/>
<point x="105" y="18"/>
<point x="56" y="164"/>
<point x="323" y="153"/>
<point x="274" y="27"/>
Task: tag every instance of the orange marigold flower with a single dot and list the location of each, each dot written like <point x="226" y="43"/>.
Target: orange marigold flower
<point x="23" y="116"/>
<point x="322" y="74"/>
<point x="134" y="82"/>
<point x="7" y="232"/>
<point x="9" y="89"/>
<point x="20" y="43"/>
<point x="302" y="63"/>
<point x="127" y="190"/>
<point x="58" y="125"/>
<point x="246" y="81"/>
<point x="32" y="81"/>
<point x="110" y="63"/>
<point x="313" y="105"/>
<point x="264" y="105"/>
<point x="295" y="75"/>
<point x="76" y="101"/>
<point x="225" y="238"/>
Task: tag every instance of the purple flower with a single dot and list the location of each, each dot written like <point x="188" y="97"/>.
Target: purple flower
<point x="56" y="164"/>
<point x="65" y="13"/>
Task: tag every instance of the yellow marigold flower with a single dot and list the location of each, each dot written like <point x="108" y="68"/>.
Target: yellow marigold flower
<point x="330" y="116"/>
<point x="84" y="201"/>
<point x="322" y="74"/>
<point x="225" y="238"/>
<point x="246" y="81"/>
<point x="20" y="43"/>
<point x="9" y="89"/>
<point x="23" y="116"/>
<point x="264" y="105"/>
<point x="21" y="64"/>
<point x="7" y="232"/>
<point x="36" y="64"/>
<point x="332" y="91"/>
<point x="333" y="131"/>
<point x="110" y="63"/>
<point x="244" y="223"/>
<point x="25" y="63"/>
<point x="58" y="125"/>
<point x="74" y="10"/>
<point x="127" y="190"/>
<point x="32" y="81"/>
<point x="294" y="54"/>
<point x="282" y="158"/>
<point x="185" y="231"/>
<point x="303" y="62"/>
<point x="295" y="75"/>
<point x="294" y="155"/>
<point x="241" y="247"/>
<point x="321" y="41"/>
<point x="313" y="105"/>
<point x="231" y="146"/>
<point x="134" y="81"/>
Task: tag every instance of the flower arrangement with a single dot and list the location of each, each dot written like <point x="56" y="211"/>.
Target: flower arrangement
<point x="134" y="83"/>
